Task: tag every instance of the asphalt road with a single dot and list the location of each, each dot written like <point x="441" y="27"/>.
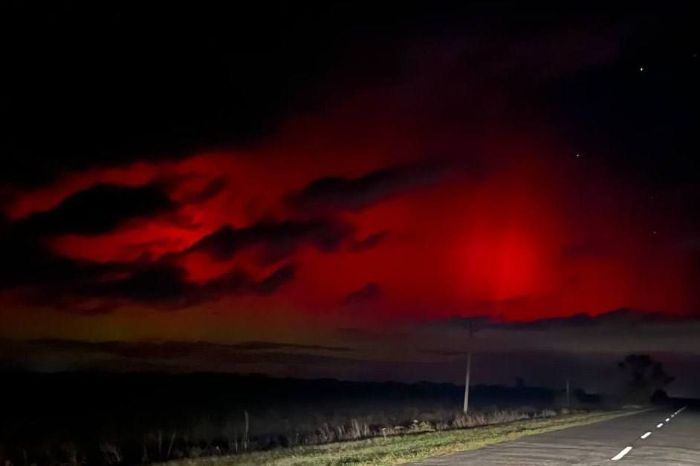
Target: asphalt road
<point x="617" y="441"/>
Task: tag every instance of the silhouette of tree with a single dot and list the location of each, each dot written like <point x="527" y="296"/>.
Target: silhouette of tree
<point x="645" y="377"/>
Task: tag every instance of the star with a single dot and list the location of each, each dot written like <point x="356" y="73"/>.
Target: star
<point x="578" y="156"/>
<point x="641" y="68"/>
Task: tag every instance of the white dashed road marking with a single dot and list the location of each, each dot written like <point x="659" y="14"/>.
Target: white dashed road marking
<point x="646" y="435"/>
<point x="620" y="455"/>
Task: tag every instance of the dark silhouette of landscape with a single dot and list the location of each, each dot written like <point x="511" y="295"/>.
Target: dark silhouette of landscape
<point x="48" y="418"/>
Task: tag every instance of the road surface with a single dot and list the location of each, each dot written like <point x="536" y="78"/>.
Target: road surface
<point x="659" y="437"/>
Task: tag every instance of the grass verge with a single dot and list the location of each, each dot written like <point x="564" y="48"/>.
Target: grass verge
<point x="401" y="449"/>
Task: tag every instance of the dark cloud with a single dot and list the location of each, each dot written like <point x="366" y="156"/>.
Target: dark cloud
<point x="177" y="186"/>
<point x="174" y="349"/>
<point x="275" y="280"/>
<point x="368" y="243"/>
<point x="594" y="371"/>
<point x="140" y="88"/>
<point x="46" y="278"/>
<point x="27" y="259"/>
<point x="32" y="265"/>
<point x="98" y="287"/>
<point x="90" y="287"/>
<point x="151" y="83"/>
<point x="473" y="322"/>
<point x="98" y="209"/>
<point x="166" y="286"/>
<point x="278" y="238"/>
<point x="615" y="318"/>
<point x="167" y="355"/>
<point x="622" y="331"/>
<point x="370" y="292"/>
<point x="336" y="193"/>
<point x="211" y="189"/>
<point x="162" y="284"/>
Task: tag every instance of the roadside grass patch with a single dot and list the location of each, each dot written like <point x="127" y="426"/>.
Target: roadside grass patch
<point x="384" y="451"/>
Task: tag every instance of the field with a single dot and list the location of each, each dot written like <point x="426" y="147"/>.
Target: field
<point x="403" y="448"/>
<point x="129" y="419"/>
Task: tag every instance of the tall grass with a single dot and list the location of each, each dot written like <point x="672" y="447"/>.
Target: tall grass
<point x="235" y="435"/>
<point x="401" y="449"/>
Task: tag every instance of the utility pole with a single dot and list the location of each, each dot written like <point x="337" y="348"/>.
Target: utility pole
<point x="466" y="384"/>
<point x="568" y="394"/>
<point x="469" y="370"/>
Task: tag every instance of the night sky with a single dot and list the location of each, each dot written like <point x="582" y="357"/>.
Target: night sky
<point x="338" y="190"/>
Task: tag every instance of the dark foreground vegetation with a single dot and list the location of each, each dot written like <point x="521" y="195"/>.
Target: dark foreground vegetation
<point x="77" y="418"/>
<point x="402" y="449"/>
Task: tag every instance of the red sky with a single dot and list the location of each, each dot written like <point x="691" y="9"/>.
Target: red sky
<point x="508" y="223"/>
<point x="417" y="178"/>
